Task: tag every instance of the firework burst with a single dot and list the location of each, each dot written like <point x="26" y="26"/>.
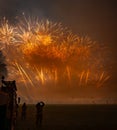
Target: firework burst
<point x="43" y="51"/>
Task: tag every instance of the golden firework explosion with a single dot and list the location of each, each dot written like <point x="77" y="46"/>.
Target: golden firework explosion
<point x="43" y="51"/>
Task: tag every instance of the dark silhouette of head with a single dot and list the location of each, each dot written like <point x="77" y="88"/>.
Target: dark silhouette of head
<point x="3" y="77"/>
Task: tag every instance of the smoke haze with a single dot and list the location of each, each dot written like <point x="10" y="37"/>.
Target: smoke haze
<point x="97" y="19"/>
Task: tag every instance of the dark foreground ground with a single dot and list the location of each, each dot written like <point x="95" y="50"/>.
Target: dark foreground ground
<point x="71" y="117"/>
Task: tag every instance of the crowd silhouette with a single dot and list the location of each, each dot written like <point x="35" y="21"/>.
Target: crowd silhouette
<point x="39" y="113"/>
<point x="13" y="102"/>
<point x="24" y="109"/>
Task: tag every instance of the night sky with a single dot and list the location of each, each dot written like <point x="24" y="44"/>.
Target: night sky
<point x="95" y="18"/>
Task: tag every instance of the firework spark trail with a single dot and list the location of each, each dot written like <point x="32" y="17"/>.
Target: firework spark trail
<point x="68" y="73"/>
<point x="55" y="52"/>
<point x="102" y="78"/>
<point x="7" y="33"/>
<point x="81" y="77"/>
<point x="87" y="76"/>
<point x="41" y="76"/>
<point x="26" y="75"/>
<point x="21" y="74"/>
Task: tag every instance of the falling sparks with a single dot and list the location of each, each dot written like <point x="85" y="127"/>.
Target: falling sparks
<point x="43" y="51"/>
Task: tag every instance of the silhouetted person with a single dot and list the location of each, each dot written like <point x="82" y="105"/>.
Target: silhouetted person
<point x="3" y="78"/>
<point x="17" y="107"/>
<point x="39" y="113"/>
<point x="18" y="100"/>
<point x="2" y="81"/>
<point x="24" y="108"/>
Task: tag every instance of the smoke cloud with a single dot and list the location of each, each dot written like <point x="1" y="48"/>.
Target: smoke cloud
<point x="96" y="19"/>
